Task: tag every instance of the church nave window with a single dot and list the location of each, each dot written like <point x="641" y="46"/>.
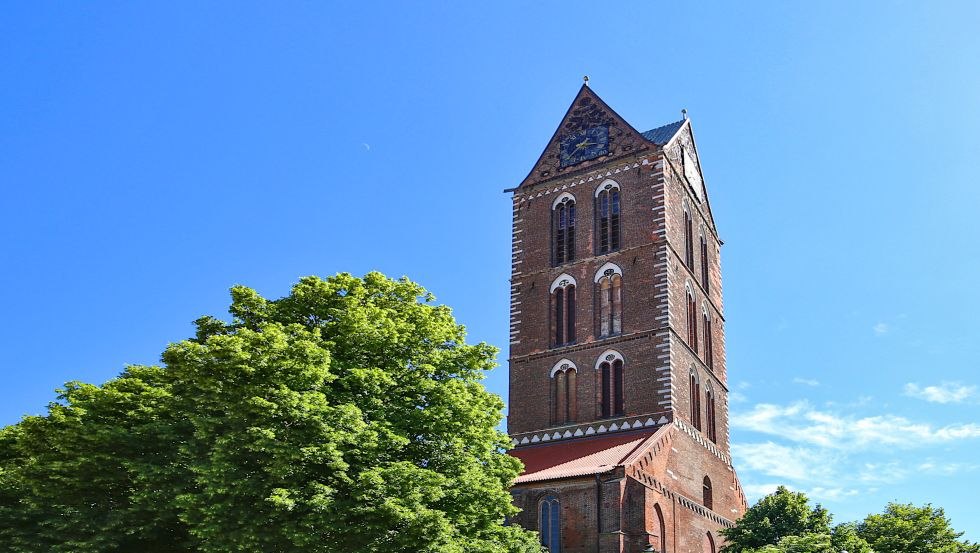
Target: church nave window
<point x="549" y="524"/>
<point x="563" y="229"/>
<point x="609" y="281"/>
<point x="563" y="309"/>
<point x="608" y="217"/>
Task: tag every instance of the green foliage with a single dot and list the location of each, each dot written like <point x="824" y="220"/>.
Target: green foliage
<point x="778" y="515"/>
<point x="347" y="416"/>
<point x="905" y="528"/>
<point x="806" y="543"/>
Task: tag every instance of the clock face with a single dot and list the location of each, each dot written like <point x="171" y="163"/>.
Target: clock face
<point x="584" y="145"/>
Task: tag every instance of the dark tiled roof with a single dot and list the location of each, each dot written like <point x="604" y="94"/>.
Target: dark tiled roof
<point x="661" y="135"/>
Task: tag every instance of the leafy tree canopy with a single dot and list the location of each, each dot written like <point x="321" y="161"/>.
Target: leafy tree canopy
<point x="778" y="515"/>
<point x="347" y="416"/>
<point x="905" y="528"/>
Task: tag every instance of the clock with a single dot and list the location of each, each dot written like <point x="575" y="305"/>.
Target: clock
<point x="584" y="145"/>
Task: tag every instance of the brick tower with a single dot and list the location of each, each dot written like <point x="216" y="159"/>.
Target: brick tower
<point x="618" y="390"/>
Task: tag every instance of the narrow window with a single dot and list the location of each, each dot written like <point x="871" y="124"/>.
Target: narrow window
<point x="709" y="543"/>
<point x="704" y="264"/>
<point x="709" y="413"/>
<point x="563" y="305"/>
<point x="688" y="239"/>
<point x="565" y="396"/>
<point x="695" y="401"/>
<point x="604" y="400"/>
<point x="610" y="295"/>
<point x="709" y="343"/>
<point x="692" y="322"/>
<point x="611" y="385"/>
<point x="617" y="384"/>
<point x="706" y="486"/>
<point x="549" y="525"/>
<point x="608" y="213"/>
<point x="563" y="231"/>
<point x="662" y="528"/>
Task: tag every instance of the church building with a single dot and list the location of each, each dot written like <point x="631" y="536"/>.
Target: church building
<point x="618" y="388"/>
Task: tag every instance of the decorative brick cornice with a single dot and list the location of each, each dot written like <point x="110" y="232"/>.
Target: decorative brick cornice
<point x="566" y="182"/>
<point x="595" y="428"/>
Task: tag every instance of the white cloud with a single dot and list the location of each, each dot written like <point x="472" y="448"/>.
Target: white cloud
<point x="800" y="422"/>
<point x="795" y="463"/>
<point x="806" y="381"/>
<point x="945" y="392"/>
<point x="880" y="329"/>
<point x="946" y="469"/>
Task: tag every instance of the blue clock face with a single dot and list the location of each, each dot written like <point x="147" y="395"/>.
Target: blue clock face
<point x="584" y="145"/>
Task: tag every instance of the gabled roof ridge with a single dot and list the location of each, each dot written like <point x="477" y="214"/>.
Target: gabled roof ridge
<point x="642" y="447"/>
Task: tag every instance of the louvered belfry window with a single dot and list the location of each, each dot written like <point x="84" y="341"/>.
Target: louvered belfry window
<point x="608" y="213"/>
<point x="563" y="231"/>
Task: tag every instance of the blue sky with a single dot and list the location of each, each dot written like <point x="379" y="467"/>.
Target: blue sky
<point x="151" y="156"/>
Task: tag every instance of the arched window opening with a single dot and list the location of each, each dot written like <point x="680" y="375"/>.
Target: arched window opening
<point x="688" y="238"/>
<point x="709" y="543"/>
<point x="661" y="527"/>
<point x="564" y="392"/>
<point x="549" y="524"/>
<point x="706" y="492"/>
<point x="563" y="308"/>
<point x="692" y="321"/>
<point x="695" y="400"/>
<point x="611" y="381"/>
<point x="610" y="296"/>
<point x="563" y="230"/>
<point x="704" y="264"/>
<point x="607" y="212"/>
<point x="709" y="413"/>
<point x="709" y="342"/>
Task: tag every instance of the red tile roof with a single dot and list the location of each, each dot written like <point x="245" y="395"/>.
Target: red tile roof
<point x="578" y="457"/>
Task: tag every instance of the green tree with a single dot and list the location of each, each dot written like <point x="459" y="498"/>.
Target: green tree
<point x="778" y="515"/>
<point x="347" y="416"/>
<point x="905" y="528"/>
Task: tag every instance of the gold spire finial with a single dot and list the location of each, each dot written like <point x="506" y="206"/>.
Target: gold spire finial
<point x="586" y="79"/>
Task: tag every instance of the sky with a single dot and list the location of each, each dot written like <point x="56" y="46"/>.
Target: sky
<point x="154" y="155"/>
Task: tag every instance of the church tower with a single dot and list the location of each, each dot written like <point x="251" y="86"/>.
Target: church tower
<point x="618" y="388"/>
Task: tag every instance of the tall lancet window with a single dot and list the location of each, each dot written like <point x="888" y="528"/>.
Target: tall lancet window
<point x="709" y="413"/>
<point x="610" y="369"/>
<point x="709" y="342"/>
<point x="564" y="376"/>
<point x="609" y="282"/>
<point x="688" y="237"/>
<point x="692" y="320"/>
<point x="695" y="399"/>
<point x="563" y="310"/>
<point x="705" y="274"/>
<point x="607" y="215"/>
<point x="563" y="229"/>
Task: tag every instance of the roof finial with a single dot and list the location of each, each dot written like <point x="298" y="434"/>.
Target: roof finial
<point x="684" y="113"/>
<point x="586" y="79"/>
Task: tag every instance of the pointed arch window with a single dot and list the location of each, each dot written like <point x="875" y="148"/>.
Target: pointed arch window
<point x="607" y="217"/>
<point x="688" y="237"/>
<point x="609" y="284"/>
<point x="709" y="346"/>
<point x="563" y="229"/>
<point x="692" y="320"/>
<point x="709" y="413"/>
<point x="611" y="379"/>
<point x="706" y="494"/>
<point x="705" y="280"/>
<point x="661" y="527"/>
<point x="549" y="524"/>
<point x="695" y="399"/>
<point x="564" y="392"/>
<point x="563" y="310"/>
<point x="709" y="543"/>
